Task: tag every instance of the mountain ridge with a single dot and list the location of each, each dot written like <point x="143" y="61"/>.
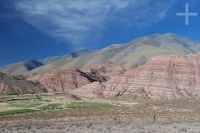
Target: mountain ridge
<point x="131" y="54"/>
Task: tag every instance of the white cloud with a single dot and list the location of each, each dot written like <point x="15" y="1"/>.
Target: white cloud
<point x="75" y="21"/>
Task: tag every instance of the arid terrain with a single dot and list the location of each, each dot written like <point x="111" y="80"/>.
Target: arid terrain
<point x="143" y="86"/>
<point x="121" y="117"/>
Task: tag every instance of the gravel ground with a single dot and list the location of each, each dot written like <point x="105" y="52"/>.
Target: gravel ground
<point x="106" y="127"/>
<point x="98" y="125"/>
<point x="170" y="118"/>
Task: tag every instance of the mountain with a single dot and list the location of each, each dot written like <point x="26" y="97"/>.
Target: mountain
<point x="151" y="68"/>
<point x="21" y="68"/>
<point x="66" y="80"/>
<point x="72" y="55"/>
<point x="161" y="78"/>
<point x="132" y="54"/>
<point x="24" y="67"/>
<point x="167" y="77"/>
<point x="16" y="85"/>
<point x="79" y="82"/>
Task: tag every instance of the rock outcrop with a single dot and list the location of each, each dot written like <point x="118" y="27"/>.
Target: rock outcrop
<point x="106" y="69"/>
<point x="161" y="78"/>
<point x="68" y="80"/>
<point x="62" y="81"/>
<point x="92" y="90"/>
<point x="16" y="85"/>
<point x="86" y="82"/>
<point x="167" y="77"/>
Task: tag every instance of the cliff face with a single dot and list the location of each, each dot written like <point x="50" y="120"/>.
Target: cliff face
<point x="106" y="69"/>
<point x="86" y="82"/>
<point x="62" y="81"/>
<point x="161" y="78"/>
<point x="168" y="77"/>
<point x="16" y="85"/>
<point x="92" y="90"/>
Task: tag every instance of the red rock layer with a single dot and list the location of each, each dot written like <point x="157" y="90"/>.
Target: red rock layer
<point x="161" y="78"/>
<point x="16" y="85"/>
<point x="106" y="69"/>
<point x="70" y="80"/>
<point x="2" y="87"/>
<point x="63" y="81"/>
<point x="93" y="90"/>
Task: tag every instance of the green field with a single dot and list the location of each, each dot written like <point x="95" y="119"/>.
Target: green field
<point x="11" y="105"/>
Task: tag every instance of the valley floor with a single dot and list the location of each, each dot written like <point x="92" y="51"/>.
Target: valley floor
<point x="97" y="117"/>
<point x="62" y="125"/>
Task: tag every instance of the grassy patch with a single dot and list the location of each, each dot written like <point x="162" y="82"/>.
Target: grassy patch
<point x="18" y="98"/>
<point x="32" y="105"/>
<point x="50" y="106"/>
<point x="16" y="111"/>
<point x="88" y="104"/>
<point x="12" y="105"/>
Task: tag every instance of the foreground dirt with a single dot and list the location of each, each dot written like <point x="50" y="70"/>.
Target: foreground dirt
<point x="99" y="126"/>
<point x="171" y="117"/>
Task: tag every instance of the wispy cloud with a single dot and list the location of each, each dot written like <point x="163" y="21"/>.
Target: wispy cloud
<point x="75" y="21"/>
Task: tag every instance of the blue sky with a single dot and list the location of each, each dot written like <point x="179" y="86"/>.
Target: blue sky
<point x="34" y="29"/>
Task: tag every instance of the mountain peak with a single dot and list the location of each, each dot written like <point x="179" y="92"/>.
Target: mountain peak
<point x="130" y="54"/>
<point x="32" y="64"/>
<point x="80" y="52"/>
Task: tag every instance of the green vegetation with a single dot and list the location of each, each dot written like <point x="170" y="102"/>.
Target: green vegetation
<point x="88" y="104"/>
<point x="18" y="98"/>
<point x="11" y="105"/>
<point x="16" y="111"/>
<point x="50" y="106"/>
<point x="32" y="105"/>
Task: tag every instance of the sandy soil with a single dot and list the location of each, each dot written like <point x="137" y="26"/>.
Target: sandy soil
<point x="156" y="118"/>
<point x="61" y="125"/>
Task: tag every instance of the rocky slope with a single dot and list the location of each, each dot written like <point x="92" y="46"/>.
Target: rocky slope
<point x="68" y="80"/>
<point x="106" y="69"/>
<point x="92" y="90"/>
<point x="15" y="85"/>
<point x="161" y="78"/>
<point x="86" y="82"/>
<point x="51" y="63"/>
<point x="167" y="77"/>
<point x="153" y="67"/>
<point x="130" y="54"/>
<point x="21" y="68"/>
